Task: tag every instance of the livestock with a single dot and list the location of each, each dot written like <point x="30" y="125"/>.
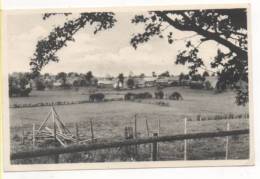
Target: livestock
<point x="130" y="96"/>
<point x="159" y="94"/>
<point x="96" y="97"/>
<point x="145" y="95"/>
<point x="176" y="96"/>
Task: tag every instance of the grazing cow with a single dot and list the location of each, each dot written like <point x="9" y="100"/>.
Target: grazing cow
<point x="130" y="96"/>
<point x="148" y="95"/>
<point x="144" y="95"/>
<point x="159" y="94"/>
<point x="96" y="97"/>
<point x="175" y="96"/>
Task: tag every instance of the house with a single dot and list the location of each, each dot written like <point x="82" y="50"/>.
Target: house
<point x="212" y="81"/>
<point x="105" y="83"/>
<point x="139" y="82"/>
<point x="149" y="81"/>
<point x="162" y="81"/>
<point x="173" y="81"/>
<point x="57" y="83"/>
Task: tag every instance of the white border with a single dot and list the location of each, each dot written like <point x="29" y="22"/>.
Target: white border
<point x="216" y="172"/>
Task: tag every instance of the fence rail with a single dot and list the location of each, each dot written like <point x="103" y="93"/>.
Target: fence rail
<point x="122" y="143"/>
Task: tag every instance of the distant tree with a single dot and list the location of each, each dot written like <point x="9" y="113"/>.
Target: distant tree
<point x="19" y="85"/>
<point x="181" y="76"/>
<point x="39" y="83"/>
<point x="63" y="77"/>
<point x="205" y="74"/>
<point x="142" y="75"/>
<point x="70" y="74"/>
<point x="130" y="83"/>
<point x="154" y="74"/>
<point x="226" y="27"/>
<point x="89" y="77"/>
<point x="121" y="79"/>
<point x="165" y="74"/>
<point x="46" y="75"/>
<point x="197" y="77"/>
<point x="76" y="83"/>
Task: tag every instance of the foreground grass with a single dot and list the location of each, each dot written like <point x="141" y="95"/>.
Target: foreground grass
<point x="110" y="119"/>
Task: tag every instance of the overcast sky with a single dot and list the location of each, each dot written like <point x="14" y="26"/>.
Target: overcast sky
<point x="108" y="52"/>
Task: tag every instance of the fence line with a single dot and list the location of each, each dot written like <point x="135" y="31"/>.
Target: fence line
<point x="122" y="143"/>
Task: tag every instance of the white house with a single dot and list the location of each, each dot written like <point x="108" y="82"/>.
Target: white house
<point x="213" y="80"/>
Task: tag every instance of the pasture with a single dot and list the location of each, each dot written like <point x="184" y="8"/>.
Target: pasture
<point x="110" y="119"/>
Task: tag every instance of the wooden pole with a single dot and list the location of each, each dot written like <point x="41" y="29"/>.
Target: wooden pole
<point x="56" y="158"/>
<point x="33" y="135"/>
<point x="54" y="126"/>
<point x="135" y="125"/>
<point x="158" y="131"/>
<point x="147" y="128"/>
<point x="135" y="128"/>
<point x="185" y="141"/>
<point x="154" y="152"/>
<point x="22" y="142"/>
<point x="227" y="142"/>
<point x="77" y="132"/>
<point x="92" y="131"/>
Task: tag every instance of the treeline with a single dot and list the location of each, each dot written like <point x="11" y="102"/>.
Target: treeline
<point x="21" y="84"/>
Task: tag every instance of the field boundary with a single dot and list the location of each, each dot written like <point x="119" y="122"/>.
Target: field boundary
<point x="58" y="103"/>
<point x="123" y="143"/>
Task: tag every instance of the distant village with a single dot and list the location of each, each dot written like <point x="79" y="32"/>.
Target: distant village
<point x="24" y="82"/>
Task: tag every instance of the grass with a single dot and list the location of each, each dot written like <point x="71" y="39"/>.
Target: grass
<point x="110" y="119"/>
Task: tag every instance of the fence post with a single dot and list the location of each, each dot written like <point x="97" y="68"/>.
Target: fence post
<point x="185" y="141"/>
<point x="91" y="129"/>
<point x="227" y="142"/>
<point x="128" y="135"/>
<point x="77" y="132"/>
<point x="33" y="135"/>
<point x="56" y="158"/>
<point x="158" y="128"/>
<point x="147" y="128"/>
<point x="154" y="152"/>
<point x="135" y="130"/>
<point x="22" y="142"/>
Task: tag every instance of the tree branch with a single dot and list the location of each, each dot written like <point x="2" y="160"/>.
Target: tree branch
<point x="209" y="35"/>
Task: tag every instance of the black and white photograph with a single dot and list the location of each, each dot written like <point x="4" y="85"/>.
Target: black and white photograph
<point x="127" y="87"/>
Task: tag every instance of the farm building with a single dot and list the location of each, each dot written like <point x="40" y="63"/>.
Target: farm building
<point x="163" y="81"/>
<point x="105" y="83"/>
<point x="212" y="81"/>
<point x="173" y="81"/>
<point x="149" y="81"/>
<point x="57" y="83"/>
<point x="139" y="82"/>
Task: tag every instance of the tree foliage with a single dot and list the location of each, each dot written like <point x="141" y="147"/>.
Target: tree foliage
<point x="227" y="27"/>
<point x="46" y="48"/>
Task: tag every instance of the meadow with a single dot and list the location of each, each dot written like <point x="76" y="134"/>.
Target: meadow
<point x="110" y="119"/>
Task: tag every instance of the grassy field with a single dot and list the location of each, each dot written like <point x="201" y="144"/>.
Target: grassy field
<point x="110" y="119"/>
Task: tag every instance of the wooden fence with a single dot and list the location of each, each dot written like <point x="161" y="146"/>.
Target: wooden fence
<point x="122" y="143"/>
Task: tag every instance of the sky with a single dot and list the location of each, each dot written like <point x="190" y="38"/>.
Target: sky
<point x="107" y="53"/>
